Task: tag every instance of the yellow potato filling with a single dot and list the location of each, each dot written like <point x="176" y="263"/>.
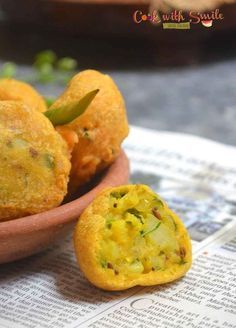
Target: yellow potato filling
<point x="140" y="234"/>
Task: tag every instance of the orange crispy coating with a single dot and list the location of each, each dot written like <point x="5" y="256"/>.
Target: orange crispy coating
<point x="34" y="162"/>
<point x="11" y="89"/>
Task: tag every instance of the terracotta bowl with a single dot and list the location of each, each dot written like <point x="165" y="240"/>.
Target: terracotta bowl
<point x="26" y="236"/>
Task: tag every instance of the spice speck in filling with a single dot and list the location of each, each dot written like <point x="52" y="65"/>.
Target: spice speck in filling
<point x="33" y="152"/>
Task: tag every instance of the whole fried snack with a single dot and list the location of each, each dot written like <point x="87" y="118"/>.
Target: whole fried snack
<point x="128" y="236"/>
<point x="34" y="162"/>
<point x="100" y="130"/>
<point x="11" y="89"/>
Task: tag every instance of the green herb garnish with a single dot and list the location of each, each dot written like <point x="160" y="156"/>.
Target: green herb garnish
<point x="136" y="213"/>
<point x="182" y="262"/>
<point x="66" y="114"/>
<point x="45" y="57"/>
<point x="49" y="68"/>
<point x="46" y="68"/>
<point x="66" y="64"/>
<point x="8" y="70"/>
<point x="118" y="195"/>
<point x="49" y="161"/>
<point x="144" y="233"/>
<point x="103" y="264"/>
<point x="109" y="222"/>
<point x="44" y="65"/>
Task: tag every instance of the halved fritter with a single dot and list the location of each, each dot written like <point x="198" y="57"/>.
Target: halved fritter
<point x="128" y="236"/>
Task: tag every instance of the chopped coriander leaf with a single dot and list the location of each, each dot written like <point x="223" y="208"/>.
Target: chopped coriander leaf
<point x="144" y="233"/>
<point x="118" y="194"/>
<point x="182" y="262"/>
<point x="103" y="263"/>
<point x="109" y="222"/>
<point x="49" y="161"/>
<point x="136" y="213"/>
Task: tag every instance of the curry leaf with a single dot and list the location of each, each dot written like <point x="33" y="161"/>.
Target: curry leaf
<point x="67" y="113"/>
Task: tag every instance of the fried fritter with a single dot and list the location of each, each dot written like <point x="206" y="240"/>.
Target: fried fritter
<point x="34" y="162"/>
<point x="11" y="89"/>
<point x="128" y="236"/>
<point x="101" y="129"/>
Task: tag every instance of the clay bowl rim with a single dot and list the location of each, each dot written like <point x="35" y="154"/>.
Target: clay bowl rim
<point x="65" y="213"/>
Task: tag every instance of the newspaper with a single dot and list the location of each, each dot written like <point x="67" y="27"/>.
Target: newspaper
<point x="197" y="177"/>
